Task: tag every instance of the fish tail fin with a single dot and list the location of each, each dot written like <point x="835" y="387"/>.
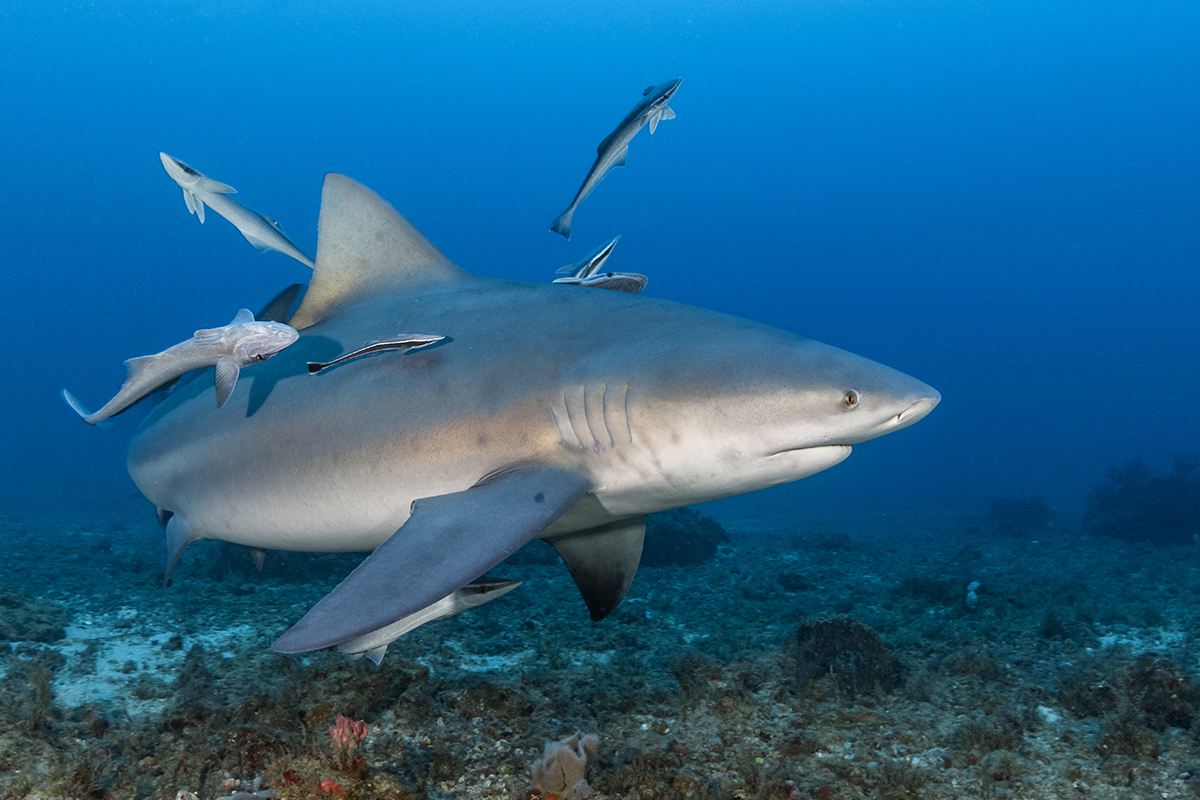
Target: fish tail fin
<point x="75" y="405"/>
<point x="562" y="223"/>
<point x="82" y="411"/>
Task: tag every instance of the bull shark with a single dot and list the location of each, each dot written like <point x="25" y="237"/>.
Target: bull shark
<point x="230" y="348"/>
<point x="200" y="191"/>
<point x="561" y="415"/>
<point x="613" y="151"/>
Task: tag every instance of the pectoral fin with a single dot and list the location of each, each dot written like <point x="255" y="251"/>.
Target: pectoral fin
<point x="603" y="562"/>
<point x="216" y="187"/>
<point x="226" y="378"/>
<point x="447" y="542"/>
<point x="194" y="203"/>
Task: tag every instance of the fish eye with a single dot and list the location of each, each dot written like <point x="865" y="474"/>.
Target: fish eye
<point x="260" y="357"/>
<point x="850" y="398"/>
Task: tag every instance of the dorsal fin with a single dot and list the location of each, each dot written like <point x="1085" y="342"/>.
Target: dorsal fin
<point x="365" y="247"/>
<point x="134" y="365"/>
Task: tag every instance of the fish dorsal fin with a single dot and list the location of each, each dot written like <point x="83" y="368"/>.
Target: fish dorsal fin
<point x="365" y="247"/>
<point x="135" y="365"/>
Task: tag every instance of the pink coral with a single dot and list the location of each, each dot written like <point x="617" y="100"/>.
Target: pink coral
<point x="348" y="734"/>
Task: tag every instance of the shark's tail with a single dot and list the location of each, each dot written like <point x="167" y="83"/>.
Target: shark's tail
<point x="79" y="408"/>
<point x="562" y="223"/>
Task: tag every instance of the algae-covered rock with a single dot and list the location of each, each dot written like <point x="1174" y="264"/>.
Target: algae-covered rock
<point x="846" y="649"/>
<point x="681" y="536"/>
<point x="27" y="619"/>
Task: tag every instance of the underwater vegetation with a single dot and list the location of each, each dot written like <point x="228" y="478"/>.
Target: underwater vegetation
<point x="1019" y="516"/>
<point x="1139" y="505"/>
<point x="848" y="651"/>
<point x="802" y="661"/>
<point x="681" y="536"/>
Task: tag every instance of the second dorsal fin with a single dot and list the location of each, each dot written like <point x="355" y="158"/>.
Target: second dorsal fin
<point x="364" y="247"/>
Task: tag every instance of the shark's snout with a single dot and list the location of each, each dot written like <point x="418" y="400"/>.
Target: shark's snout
<point x="919" y="409"/>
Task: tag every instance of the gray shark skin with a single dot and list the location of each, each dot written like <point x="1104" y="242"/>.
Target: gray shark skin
<point x="200" y="191"/>
<point x="230" y="348"/>
<point x="613" y="151"/>
<point x="549" y="412"/>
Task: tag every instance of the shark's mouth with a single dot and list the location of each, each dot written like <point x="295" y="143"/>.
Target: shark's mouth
<point x="916" y="411"/>
<point x="800" y="462"/>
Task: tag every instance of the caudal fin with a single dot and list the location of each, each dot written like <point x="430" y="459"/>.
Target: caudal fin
<point x="82" y="411"/>
<point x="74" y="403"/>
<point x="562" y="223"/>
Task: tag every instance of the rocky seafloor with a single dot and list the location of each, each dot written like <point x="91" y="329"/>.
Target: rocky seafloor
<point x="833" y="659"/>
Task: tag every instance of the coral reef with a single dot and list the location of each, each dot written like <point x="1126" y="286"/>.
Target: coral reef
<point x="562" y="770"/>
<point x="1138" y="505"/>
<point x="25" y="619"/>
<point x="1075" y="675"/>
<point x="680" y="537"/>
<point x="847" y="650"/>
<point x="1019" y="516"/>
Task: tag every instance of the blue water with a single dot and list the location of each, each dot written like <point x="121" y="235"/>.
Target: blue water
<point x="997" y="198"/>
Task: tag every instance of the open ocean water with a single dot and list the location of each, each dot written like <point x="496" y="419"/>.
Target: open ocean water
<point x="998" y="198"/>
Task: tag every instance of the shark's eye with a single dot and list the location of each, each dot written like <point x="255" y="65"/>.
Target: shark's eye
<point x="260" y="357"/>
<point x="850" y="398"/>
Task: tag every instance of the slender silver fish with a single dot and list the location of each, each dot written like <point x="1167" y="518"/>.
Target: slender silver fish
<point x="585" y="272"/>
<point x="230" y="348"/>
<point x="407" y="342"/>
<point x="615" y="147"/>
<point x="375" y="644"/>
<point x="259" y="229"/>
<point x="590" y="264"/>
<point x="630" y="282"/>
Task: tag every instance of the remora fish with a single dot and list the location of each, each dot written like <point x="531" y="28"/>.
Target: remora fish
<point x="375" y="644"/>
<point x="631" y="282"/>
<point x="200" y="191"/>
<point x="615" y="147"/>
<point x="590" y="264"/>
<point x="447" y="461"/>
<point x="585" y="272"/>
<point x="412" y="341"/>
<point x="230" y="348"/>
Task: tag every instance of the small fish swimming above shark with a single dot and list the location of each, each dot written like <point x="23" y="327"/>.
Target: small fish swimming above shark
<point x="615" y="147"/>
<point x="585" y="272"/>
<point x="200" y="191"/>
<point x="230" y="348"/>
